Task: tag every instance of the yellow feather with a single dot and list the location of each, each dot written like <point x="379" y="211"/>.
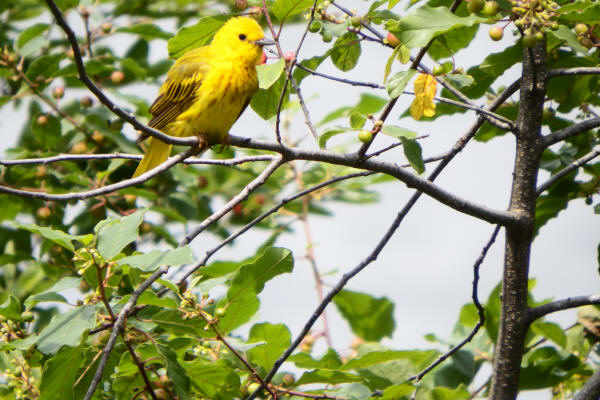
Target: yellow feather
<point x="206" y="90"/>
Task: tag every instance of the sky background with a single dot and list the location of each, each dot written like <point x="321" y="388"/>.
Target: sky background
<point x="426" y="268"/>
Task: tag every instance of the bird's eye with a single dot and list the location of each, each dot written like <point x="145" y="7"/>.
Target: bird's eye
<point x="242" y="36"/>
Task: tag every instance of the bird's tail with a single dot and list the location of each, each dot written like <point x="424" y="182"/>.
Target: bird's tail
<point x="157" y="153"/>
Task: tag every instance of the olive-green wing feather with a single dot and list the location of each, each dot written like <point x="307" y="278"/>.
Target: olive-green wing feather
<point x="179" y="91"/>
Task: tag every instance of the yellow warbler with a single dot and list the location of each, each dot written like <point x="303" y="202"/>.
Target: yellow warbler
<point x="207" y="89"/>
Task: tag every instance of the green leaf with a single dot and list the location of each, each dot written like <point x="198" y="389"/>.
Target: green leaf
<point x="11" y="308"/>
<point x="460" y="80"/>
<point x="353" y="391"/>
<point x="60" y="374"/>
<point x="151" y="261"/>
<point x="266" y="101"/>
<point x="242" y="302"/>
<point x="491" y="68"/>
<point x="448" y="44"/>
<point x="369" y="318"/>
<point x="213" y="381"/>
<point x="115" y="234"/>
<point x="425" y="23"/>
<point x="51" y="294"/>
<point x="268" y="74"/>
<point x="412" y="151"/>
<point x="329" y="133"/>
<point x="346" y="51"/>
<point x="282" y="9"/>
<point x="396" y="392"/>
<point x="252" y="277"/>
<point x="30" y="40"/>
<point x="398" y="132"/>
<point x="330" y="360"/>
<point x="416" y="357"/>
<point x="277" y="338"/>
<point x="66" y="329"/>
<point x="44" y="66"/>
<point x="175" y="372"/>
<point x="397" y="83"/>
<point x="146" y="31"/>
<point x="547" y="367"/>
<point x="445" y="393"/>
<point x="581" y="12"/>
<point x="357" y="120"/>
<point x="331" y="377"/>
<point x="59" y="237"/>
<point x="551" y="331"/>
<point x="195" y="36"/>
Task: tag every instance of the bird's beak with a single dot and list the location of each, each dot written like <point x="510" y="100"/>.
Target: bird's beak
<point x="264" y="42"/>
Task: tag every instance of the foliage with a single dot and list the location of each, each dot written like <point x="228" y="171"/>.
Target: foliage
<point x="184" y="339"/>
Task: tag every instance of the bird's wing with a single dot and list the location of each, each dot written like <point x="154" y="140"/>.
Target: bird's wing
<point x="179" y="90"/>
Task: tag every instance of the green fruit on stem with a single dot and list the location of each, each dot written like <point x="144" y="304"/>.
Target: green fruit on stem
<point x="490" y="8"/>
<point x="365" y="136"/>
<point x="437" y="70"/>
<point x="474" y="6"/>
<point x="315" y="26"/>
<point x="529" y="40"/>
<point x="581" y="29"/>
<point x="496" y="33"/>
<point x="355" y="21"/>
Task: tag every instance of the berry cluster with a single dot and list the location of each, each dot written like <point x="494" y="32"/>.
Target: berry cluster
<point x="533" y="17"/>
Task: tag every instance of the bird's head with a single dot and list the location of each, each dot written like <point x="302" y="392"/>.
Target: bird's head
<point x="241" y="39"/>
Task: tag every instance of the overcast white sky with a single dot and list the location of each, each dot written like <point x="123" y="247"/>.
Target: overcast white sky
<point x="426" y="269"/>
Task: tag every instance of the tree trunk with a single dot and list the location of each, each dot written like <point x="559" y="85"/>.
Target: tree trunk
<point x="513" y="317"/>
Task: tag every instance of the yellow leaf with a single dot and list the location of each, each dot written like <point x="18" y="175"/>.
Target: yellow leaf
<point x="423" y="105"/>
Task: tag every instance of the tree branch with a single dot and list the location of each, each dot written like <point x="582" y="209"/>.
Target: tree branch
<point x="411" y="180"/>
<point x="561" y="305"/>
<point x="568" y="169"/>
<point x="241" y="196"/>
<point x="105" y="189"/>
<point x="480" y="311"/>
<point x="119" y="326"/>
<point x="591" y="389"/>
<point x="570" y="131"/>
<point x="552" y="73"/>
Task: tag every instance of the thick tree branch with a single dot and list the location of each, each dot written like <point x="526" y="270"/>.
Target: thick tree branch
<point x="411" y="180"/>
<point x="561" y="305"/>
<point x="570" y="131"/>
<point x="568" y="169"/>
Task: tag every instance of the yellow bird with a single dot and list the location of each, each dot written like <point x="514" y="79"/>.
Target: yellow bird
<point x="207" y="89"/>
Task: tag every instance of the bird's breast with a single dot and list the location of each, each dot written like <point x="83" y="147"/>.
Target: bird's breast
<point x="220" y="99"/>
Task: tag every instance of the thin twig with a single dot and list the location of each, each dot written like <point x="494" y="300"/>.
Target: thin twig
<point x="241" y="196"/>
<point x="118" y="326"/>
<point x="125" y="156"/>
<point x="568" y="169"/>
<point x="480" y="311"/>
<point x="264" y="215"/>
<point x="105" y="189"/>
